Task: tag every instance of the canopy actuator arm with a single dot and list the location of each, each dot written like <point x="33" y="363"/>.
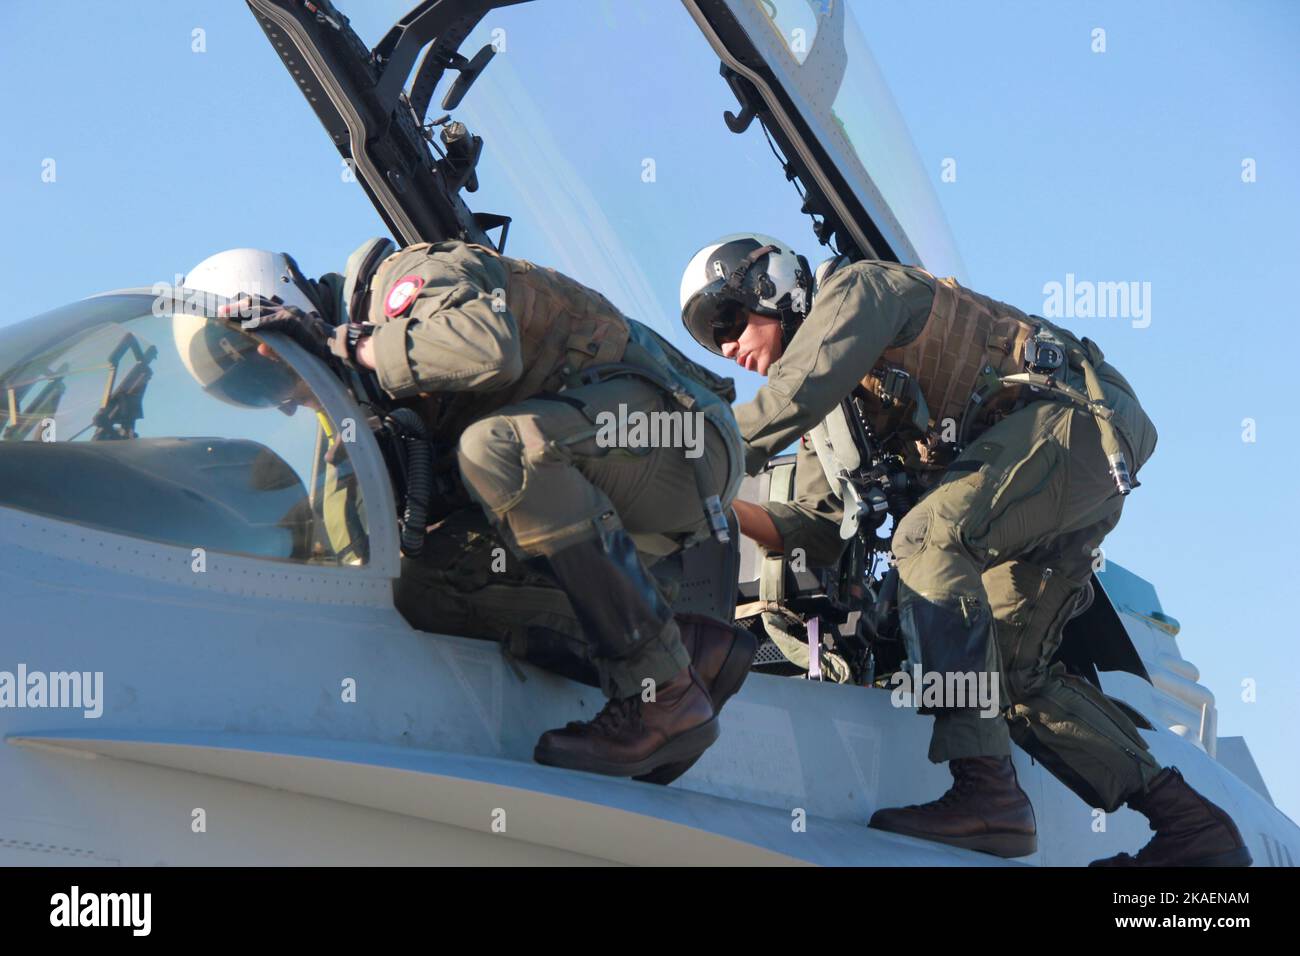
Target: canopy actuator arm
<point x="358" y="95"/>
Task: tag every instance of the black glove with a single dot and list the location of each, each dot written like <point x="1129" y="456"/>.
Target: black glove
<point x="308" y="329"/>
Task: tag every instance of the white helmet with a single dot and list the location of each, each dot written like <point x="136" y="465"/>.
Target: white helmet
<point x="255" y="272"/>
<point x="739" y="273"/>
<point x="221" y="358"/>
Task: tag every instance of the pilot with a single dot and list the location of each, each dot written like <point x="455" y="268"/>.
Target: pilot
<point x="523" y="370"/>
<point x="993" y="558"/>
<point x="234" y="368"/>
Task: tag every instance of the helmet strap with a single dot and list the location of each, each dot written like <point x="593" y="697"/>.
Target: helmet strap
<point x="792" y="318"/>
<point x="735" y="284"/>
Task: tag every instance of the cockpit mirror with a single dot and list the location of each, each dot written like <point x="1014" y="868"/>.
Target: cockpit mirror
<point x="469" y="73"/>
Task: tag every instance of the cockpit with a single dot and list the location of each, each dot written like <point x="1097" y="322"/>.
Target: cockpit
<point x="139" y="414"/>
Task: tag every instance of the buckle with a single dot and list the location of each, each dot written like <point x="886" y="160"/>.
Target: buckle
<point x="893" y="385"/>
<point x="1043" y="357"/>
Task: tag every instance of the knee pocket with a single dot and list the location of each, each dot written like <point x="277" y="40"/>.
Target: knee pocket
<point x="490" y="454"/>
<point x="911" y="533"/>
<point x="921" y="529"/>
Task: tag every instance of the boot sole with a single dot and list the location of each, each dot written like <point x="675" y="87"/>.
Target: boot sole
<point x="1004" y="845"/>
<point x="1238" y="857"/>
<point x="684" y="747"/>
<point x="734" y="671"/>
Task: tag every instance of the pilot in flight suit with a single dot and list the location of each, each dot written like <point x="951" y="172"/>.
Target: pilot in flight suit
<point x="520" y="368"/>
<point x="993" y="558"/>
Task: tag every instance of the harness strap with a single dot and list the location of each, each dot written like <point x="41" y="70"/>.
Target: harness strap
<point x="1093" y="403"/>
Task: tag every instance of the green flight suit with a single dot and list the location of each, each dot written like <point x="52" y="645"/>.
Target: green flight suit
<point x="1012" y="527"/>
<point x="532" y="455"/>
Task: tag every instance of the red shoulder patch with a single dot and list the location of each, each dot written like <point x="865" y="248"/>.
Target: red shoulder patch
<point x="401" y="295"/>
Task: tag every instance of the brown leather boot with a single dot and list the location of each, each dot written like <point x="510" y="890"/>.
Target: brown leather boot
<point x="985" y="810"/>
<point x="630" y="737"/>
<point x="1190" y="830"/>
<point x="721" y="654"/>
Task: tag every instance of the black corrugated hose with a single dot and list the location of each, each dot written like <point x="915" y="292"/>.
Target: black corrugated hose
<point x="419" y="478"/>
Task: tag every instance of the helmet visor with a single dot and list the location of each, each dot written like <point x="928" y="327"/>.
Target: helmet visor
<point x="713" y="318"/>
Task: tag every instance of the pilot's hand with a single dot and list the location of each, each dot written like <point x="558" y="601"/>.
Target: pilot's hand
<point x="259" y="314"/>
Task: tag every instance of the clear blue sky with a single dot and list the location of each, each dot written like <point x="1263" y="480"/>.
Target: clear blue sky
<point x="1118" y="166"/>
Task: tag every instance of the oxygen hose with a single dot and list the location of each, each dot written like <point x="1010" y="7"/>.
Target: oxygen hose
<point x="419" y="478"/>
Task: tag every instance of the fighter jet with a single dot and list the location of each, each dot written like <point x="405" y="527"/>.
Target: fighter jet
<point x="202" y="660"/>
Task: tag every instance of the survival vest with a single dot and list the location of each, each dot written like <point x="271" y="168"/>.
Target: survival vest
<point x="923" y="389"/>
<point x="970" y="366"/>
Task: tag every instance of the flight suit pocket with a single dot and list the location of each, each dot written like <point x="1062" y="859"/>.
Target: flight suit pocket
<point x="1023" y="508"/>
<point x="951" y="630"/>
<point x="1012" y="587"/>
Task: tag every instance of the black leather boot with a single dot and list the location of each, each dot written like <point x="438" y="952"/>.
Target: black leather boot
<point x="985" y="810"/>
<point x="1190" y="830"/>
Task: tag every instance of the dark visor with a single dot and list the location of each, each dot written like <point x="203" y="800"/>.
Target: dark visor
<point x="713" y="318"/>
